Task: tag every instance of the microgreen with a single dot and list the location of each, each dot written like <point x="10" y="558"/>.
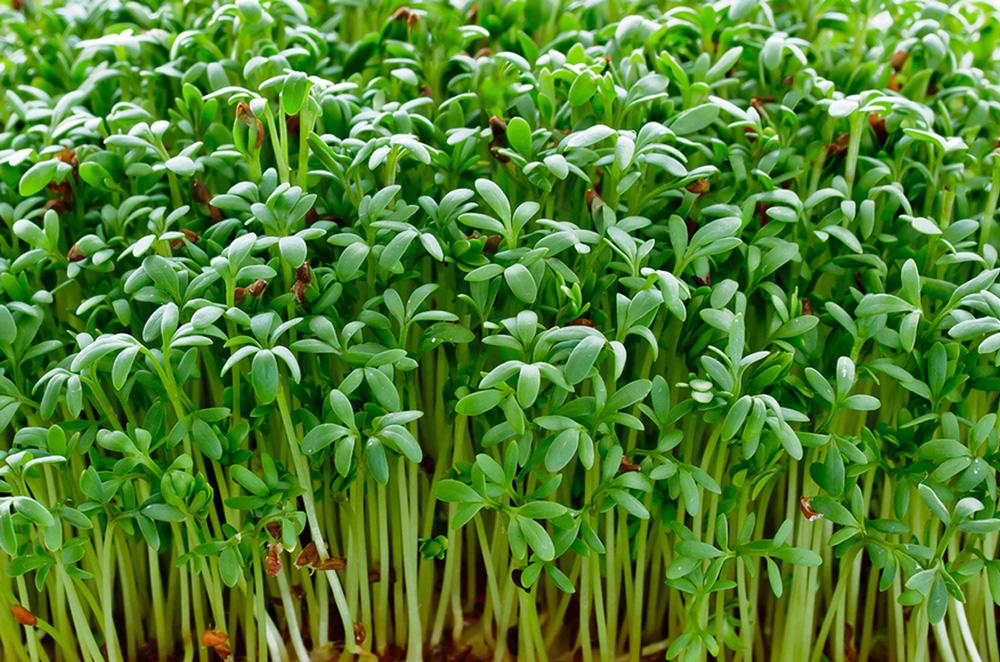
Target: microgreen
<point x="533" y="330"/>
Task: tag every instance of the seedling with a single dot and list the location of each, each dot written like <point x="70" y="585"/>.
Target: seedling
<point x="523" y="330"/>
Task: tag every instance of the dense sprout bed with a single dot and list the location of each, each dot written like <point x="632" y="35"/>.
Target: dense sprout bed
<point x="483" y="330"/>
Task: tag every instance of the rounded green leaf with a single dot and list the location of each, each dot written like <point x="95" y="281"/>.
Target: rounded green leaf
<point x="537" y="538"/>
<point x="37" y="177"/>
<point x="694" y="119"/>
<point x="181" y="165"/>
<point x="582" y="89"/>
<point x="320" y="437"/>
<point x="519" y="136"/>
<point x="562" y="450"/>
<point x="264" y="376"/>
<point x="476" y="404"/>
<point x="521" y="282"/>
<point x="455" y="492"/>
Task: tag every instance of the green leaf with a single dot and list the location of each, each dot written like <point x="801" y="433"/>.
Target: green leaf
<point x="921" y="581"/>
<point x="939" y="450"/>
<point x="739" y="9"/>
<point x="162" y="512"/>
<point x="993" y="579"/>
<point x="735" y="417"/>
<point x="937" y="601"/>
<point x="320" y="437"/>
<point x="803" y="557"/>
<point x="830" y="475"/>
<point x="557" y="165"/>
<point x="542" y="510"/>
<point x="378" y="464"/>
<point x="293" y="92"/>
<point x="631" y="505"/>
<point x="455" y="492"/>
<point x="95" y="174"/>
<point x="537" y="538"/>
<point x="882" y="304"/>
<point x="122" y="366"/>
<point x="709" y="237"/>
<point x="206" y="440"/>
<point x="582" y="359"/>
<point x="923" y="225"/>
<point x="843" y="107"/>
<point x="628" y="395"/>
<point x="820" y="384"/>
<point x="774" y="578"/>
<point x="491" y="468"/>
<point x="562" y="450"/>
<point x="797" y="326"/>
<point x="862" y="403"/>
<point x="935" y="504"/>
<point x="8" y="328"/>
<point x="37" y="177"/>
<point x="162" y="273"/>
<point x="30" y="233"/>
<point x="293" y="250"/>
<point x="832" y="510"/>
<point x="404" y="442"/>
<point x="589" y="136"/>
<point x="519" y="135"/>
<point x="528" y="384"/>
<point x="181" y="165"/>
<point x="351" y="260"/>
<point x="583" y="87"/>
<point x="789" y="440"/>
<point x="681" y="567"/>
<point x="476" y="404"/>
<point x="382" y="388"/>
<point x="343" y="455"/>
<point x="698" y="550"/>
<point x="845" y="376"/>
<point x="495" y="198"/>
<point x="8" y="534"/>
<point x="559" y="578"/>
<point x="250" y="481"/>
<point x="229" y="567"/>
<point x="341" y="407"/>
<point x="264" y="376"/>
<point x="772" y="52"/>
<point x="34" y="511"/>
<point x="521" y="282"/>
<point x="694" y="119"/>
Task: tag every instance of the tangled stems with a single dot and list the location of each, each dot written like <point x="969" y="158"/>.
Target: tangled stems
<point x="624" y="331"/>
<point x="309" y="504"/>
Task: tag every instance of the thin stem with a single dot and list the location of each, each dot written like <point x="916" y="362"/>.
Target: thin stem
<point x="291" y="617"/>
<point x="493" y="593"/>
<point x="833" y="609"/>
<point x="382" y="596"/>
<point x="86" y="636"/>
<point x="33" y="651"/>
<point x="857" y="126"/>
<point x="943" y="642"/>
<point x="967" y="637"/>
<point x="278" y="147"/>
<point x="990" y="212"/>
<point x="414" y="647"/>
<point x="107" y="594"/>
<point x="309" y="504"/>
